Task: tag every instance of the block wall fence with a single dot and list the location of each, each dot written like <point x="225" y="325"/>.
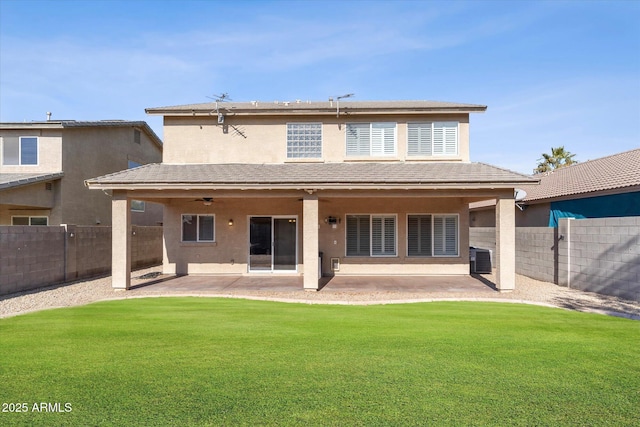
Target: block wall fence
<point x="596" y="255"/>
<point x="33" y="257"/>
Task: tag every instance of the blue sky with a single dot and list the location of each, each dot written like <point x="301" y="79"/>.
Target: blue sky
<point x="552" y="73"/>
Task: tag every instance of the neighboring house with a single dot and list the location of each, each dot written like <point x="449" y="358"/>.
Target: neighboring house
<point x="376" y="188"/>
<point x="600" y="188"/>
<point x="43" y="166"/>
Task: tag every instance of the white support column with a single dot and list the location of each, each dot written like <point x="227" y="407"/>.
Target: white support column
<point x="311" y="244"/>
<point x="120" y="241"/>
<point x="506" y="244"/>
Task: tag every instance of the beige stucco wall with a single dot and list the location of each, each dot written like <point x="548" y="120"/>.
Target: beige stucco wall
<point x="229" y="253"/>
<point x="92" y="152"/>
<point x="264" y="140"/>
<point x="49" y="150"/>
<point x="535" y="215"/>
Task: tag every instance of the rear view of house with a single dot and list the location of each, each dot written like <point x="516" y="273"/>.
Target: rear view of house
<point x="315" y="188"/>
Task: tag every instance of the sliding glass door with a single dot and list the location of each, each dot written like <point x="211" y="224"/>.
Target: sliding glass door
<point x="272" y="243"/>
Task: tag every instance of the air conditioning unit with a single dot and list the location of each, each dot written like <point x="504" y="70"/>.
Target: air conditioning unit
<point x="480" y="260"/>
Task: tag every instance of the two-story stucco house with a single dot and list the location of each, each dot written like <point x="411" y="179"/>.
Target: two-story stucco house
<point x="379" y="188"/>
<point x="43" y="166"/>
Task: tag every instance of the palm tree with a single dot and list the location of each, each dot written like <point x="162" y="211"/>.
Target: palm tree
<point x="558" y="158"/>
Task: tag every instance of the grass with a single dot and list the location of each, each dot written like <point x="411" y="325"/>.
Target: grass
<point x="200" y="361"/>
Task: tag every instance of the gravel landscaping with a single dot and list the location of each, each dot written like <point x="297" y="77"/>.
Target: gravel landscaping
<point x="527" y="291"/>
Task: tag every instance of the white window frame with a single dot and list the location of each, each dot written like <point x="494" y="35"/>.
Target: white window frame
<point x="292" y="157"/>
<point x="433" y="235"/>
<point x="432" y="128"/>
<point x="381" y="151"/>
<point x="20" y="163"/>
<point x="198" y="240"/>
<point x="30" y="218"/>
<point x="371" y="232"/>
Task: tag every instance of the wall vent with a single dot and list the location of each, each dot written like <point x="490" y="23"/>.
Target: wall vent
<point x="48" y="186"/>
<point x="335" y="264"/>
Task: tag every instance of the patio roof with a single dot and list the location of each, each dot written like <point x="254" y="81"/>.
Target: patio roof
<point x="12" y="180"/>
<point x="356" y="175"/>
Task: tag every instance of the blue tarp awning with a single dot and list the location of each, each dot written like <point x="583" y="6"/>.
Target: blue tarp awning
<point x="615" y="205"/>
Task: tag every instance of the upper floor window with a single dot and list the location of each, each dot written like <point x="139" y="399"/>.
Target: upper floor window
<point x="24" y="151"/>
<point x="432" y="139"/>
<point x="371" y="139"/>
<point x="304" y="140"/>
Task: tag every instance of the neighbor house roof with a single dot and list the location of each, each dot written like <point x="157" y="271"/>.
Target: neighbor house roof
<point x="312" y="176"/>
<point x="12" y="180"/>
<point x="318" y="107"/>
<point x="615" y="173"/>
<point x="61" y="124"/>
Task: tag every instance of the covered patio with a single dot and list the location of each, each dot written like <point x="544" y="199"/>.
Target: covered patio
<point x="236" y="284"/>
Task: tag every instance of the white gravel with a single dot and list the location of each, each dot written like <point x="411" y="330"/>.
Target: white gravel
<point x="527" y="290"/>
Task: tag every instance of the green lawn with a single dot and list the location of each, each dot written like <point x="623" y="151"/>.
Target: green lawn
<point x="202" y="361"/>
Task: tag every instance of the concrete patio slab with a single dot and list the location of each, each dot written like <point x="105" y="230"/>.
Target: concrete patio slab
<point x="353" y="284"/>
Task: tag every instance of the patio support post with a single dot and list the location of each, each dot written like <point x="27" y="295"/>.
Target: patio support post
<point x="120" y="241"/>
<point x="506" y="243"/>
<point x="310" y="241"/>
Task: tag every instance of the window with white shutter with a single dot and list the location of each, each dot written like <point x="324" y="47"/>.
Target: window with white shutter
<point x="419" y="235"/>
<point x="432" y="139"/>
<point x="371" y="235"/>
<point x="445" y="235"/>
<point x="371" y="139"/>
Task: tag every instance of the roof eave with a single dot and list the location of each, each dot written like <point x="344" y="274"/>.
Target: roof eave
<point x="302" y="185"/>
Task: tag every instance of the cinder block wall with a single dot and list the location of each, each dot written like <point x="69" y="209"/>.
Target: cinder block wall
<point x="536" y="253"/>
<point x="30" y="257"/>
<point x="601" y="255"/>
<point x="33" y="257"/>
<point x="597" y="255"/>
<point x="485" y="238"/>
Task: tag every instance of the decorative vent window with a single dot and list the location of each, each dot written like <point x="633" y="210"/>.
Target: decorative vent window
<point x="371" y="235"/>
<point x="198" y="228"/>
<point x="432" y="139"/>
<point x="136" y="136"/>
<point x="371" y="139"/>
<point x="23" y="151"/>
<point x="432" y="235"/>
<point x="304" y="140"/>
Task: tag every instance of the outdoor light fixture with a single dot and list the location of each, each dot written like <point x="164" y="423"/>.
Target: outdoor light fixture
<point x="230" y="222"/>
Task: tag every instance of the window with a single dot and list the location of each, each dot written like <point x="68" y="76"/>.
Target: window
<point x="371" y="235"/>
<point x="136" y="205"/>
<point x="432" y="235"/>
<point x="432" y="139"/>
<point x="419" y="235"/>
<point x="24" y="151"/>
<point x="304" y="140"/>
<point x="371" y="139"/>
<point x="198" y="228"/>
<point x="29" y="220"/>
